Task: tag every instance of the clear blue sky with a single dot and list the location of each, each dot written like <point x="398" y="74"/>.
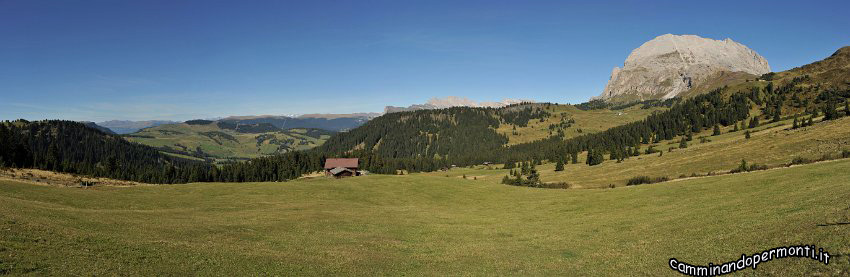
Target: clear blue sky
<point x="100" y="60"/>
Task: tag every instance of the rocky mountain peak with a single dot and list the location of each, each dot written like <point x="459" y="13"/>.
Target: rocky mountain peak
<point x="670" y="64"/>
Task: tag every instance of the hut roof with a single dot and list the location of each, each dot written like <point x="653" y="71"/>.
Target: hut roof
<point x="341" y="162"/>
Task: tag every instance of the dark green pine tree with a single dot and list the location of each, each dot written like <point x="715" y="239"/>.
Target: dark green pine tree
<point x="747" y="134"/>
<point x="594" y="157"/>
<point x="716" y="130"/>
<point x="754" y="122"/>
<point x="559" y="166"/>
<point x="796" y="124"/>
<point x="574" y="157"/>
<point x="683" y="143"/>
<point x="533" y="177"/>
<point x="829" y="112"/>
<point x="777" y="113"/>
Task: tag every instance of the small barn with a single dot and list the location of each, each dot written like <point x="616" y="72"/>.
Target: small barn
<point x="342" y="167"/>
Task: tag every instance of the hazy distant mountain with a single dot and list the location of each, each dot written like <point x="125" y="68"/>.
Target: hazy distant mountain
<point x="98" y="127"/>
<point x="453" y="101"/>
<point x="335" y="116"/>
<point x="331" y="122"/>
<point x="126" y="126"/>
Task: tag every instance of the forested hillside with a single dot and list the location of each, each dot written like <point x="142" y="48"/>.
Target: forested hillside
<point x="73" y="147"/>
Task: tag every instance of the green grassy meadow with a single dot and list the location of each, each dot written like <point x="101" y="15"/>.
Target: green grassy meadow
<point x="590" y="121"/>
<point x="425" y="225"/>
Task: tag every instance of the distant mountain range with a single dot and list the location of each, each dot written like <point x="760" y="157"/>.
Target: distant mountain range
<point x="330" y="122"/>
<point x="126" y="126"/>
<point x="98" y="127"/>
<point x="453" y="101"/>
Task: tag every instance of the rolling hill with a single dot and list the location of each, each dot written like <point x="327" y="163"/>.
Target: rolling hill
<point x="221" y="140"/>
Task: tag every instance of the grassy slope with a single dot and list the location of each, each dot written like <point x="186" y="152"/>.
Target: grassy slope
<point x="245" y="146"/>
<point x="591" y="121"/>
<point x="424" y="225"/>
<point x="772" y="144"/>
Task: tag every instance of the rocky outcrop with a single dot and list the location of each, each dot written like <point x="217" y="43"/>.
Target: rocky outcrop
<point x="671" y="64"/>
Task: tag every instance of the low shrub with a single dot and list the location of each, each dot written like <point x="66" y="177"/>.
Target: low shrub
<point x="645" y="180"/>
<point x="747" y="168"/>
<point x="554" y="185"/>
<point x="651" y="149"/>
<point x="800" y="160"/>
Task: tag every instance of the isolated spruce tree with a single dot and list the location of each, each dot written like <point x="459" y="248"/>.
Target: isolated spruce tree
<point x="777" y="113"/>
<point x="559" y="166"/>
<point x="683" y="143"/>
<point x="716" y="130"/>
<point x="811" y="121"/>
<point x="689" y="136"/>
<point x="747" y="134"/>
<point x="574" y="156"/>
<point x="735" y="129"/>
<point x="796" y="124"/>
